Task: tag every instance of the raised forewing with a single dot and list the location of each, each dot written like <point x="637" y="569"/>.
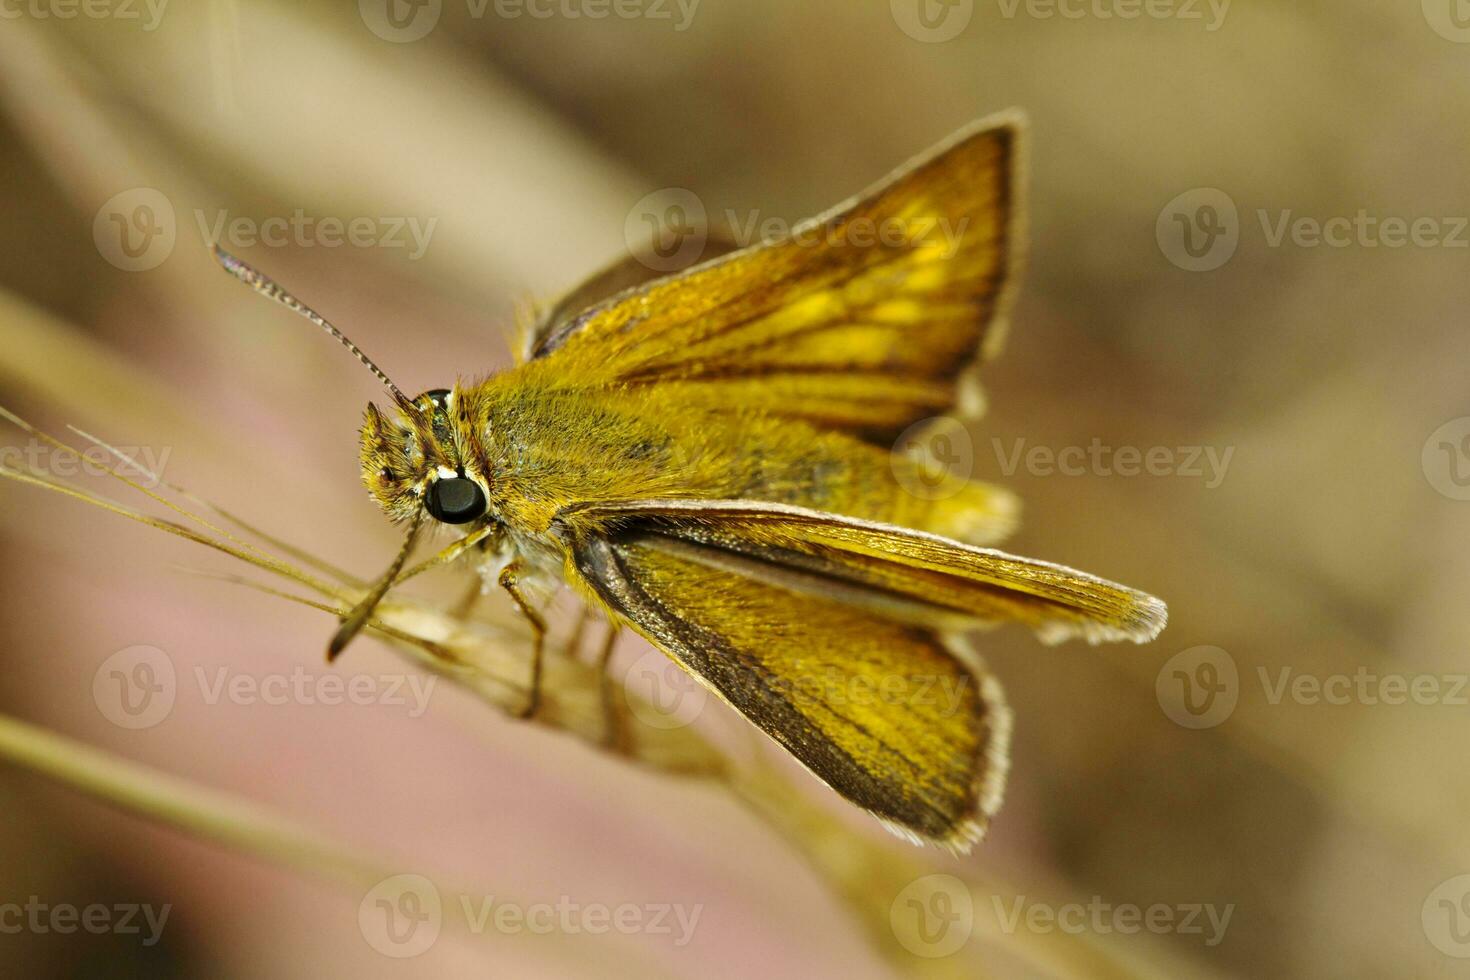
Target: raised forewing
<point x="863" y="319"/>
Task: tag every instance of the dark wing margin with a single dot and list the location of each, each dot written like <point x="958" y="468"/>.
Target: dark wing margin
<point x="900" y="720"/>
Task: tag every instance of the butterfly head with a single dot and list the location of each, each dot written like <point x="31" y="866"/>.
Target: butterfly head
<point x="419" y="462"/>
<point x="417" y="459"/>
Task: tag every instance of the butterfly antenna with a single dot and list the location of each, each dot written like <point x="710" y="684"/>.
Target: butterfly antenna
<point x="355" y="620"/>
<point x="268" y="287"/>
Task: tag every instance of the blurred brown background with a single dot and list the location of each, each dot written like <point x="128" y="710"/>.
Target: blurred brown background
<point x="1330" y="368"/>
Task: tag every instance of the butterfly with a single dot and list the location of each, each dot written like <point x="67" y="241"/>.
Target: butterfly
<point x="707" y="457"/>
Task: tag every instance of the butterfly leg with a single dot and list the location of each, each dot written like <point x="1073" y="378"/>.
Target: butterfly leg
<point x="614" y="731"/>
<point x="574" y="641"/>
<point x="509" y="582"/>
<point x="465" y="606"/>
<point x="462" y="609"/>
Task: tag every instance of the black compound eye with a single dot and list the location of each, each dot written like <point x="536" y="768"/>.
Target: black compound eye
<point x="455" y="500"/>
